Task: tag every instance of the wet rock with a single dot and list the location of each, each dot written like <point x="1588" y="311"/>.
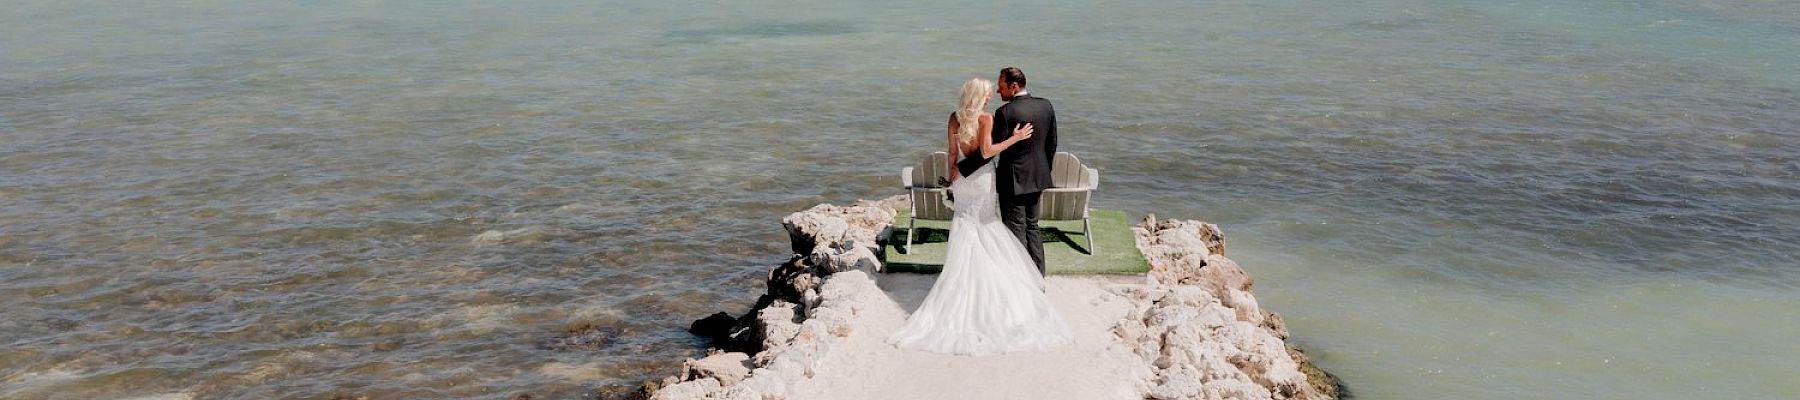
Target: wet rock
<point x="488" y="238"/>
<point x="713" y="326"/>
<point x="1328" y="386"/>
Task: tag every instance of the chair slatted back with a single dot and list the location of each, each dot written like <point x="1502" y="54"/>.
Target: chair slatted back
<point x="1066" y="171"/>
<point x="927" y="196"/>
<point x="935" y="165"/>
<point x="1071" y="186"/>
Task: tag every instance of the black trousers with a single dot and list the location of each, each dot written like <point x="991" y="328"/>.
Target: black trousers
<point x="1020" y="214"/>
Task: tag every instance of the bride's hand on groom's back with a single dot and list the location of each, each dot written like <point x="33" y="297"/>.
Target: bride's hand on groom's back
<point x="1021" y="132"/>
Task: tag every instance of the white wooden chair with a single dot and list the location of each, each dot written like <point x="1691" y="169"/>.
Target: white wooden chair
<point x="1072" y="184"/>
<point x="923" y="193"/>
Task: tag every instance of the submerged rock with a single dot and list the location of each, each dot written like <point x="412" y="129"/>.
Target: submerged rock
<point x="627" y="392"/>
<point x="583" y="336"/>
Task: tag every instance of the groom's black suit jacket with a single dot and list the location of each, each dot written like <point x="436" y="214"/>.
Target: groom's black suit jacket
<point x="1024" y="168"/>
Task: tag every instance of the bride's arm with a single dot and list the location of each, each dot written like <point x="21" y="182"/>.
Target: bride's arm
<point x="989" y="149"/>
<point x="950" y="149"/>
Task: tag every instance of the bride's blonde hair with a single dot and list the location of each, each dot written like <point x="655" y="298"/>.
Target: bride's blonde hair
<point x="968" y="108"/>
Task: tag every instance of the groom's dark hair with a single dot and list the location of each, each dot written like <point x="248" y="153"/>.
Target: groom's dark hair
<point x="1013" y="75"/>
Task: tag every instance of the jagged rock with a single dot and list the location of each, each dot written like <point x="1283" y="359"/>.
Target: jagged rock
<point x="728" y="368"/>
<point x="838" y="239"/>
<point x="792" y="285"/>
<point x="1243" y="306"/>
<point x="1203" y="330"/>
<point x="1209" y="234"/>
<point x="1276" y="325"/>
<point x="1181" y="382"/>
<point x="1226" y="273"/>
<point x="850" y="256"/>
<point x="825" y="225"/>
<point x="776" y="324"/>
<point x="791" y="279"/>
<point x="1214" y="238"/>
<point x="1181" y="238"/>
<point x="807" y="229"/>
<point x="690" y="390"/>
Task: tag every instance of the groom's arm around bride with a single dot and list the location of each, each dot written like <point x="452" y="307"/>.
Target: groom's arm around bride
<point x="1023" y="171"/>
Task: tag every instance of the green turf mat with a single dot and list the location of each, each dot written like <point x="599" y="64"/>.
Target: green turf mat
<point x="1065" y="249"/>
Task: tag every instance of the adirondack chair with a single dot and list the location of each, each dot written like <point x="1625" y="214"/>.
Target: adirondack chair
<point x="923" y="194"/>
<point x="1072" y="184"/>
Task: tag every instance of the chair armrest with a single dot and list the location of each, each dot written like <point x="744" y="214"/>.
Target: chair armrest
<point x="906" y="177"/>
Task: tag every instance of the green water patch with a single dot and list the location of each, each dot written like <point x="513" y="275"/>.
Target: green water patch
<point x="1066" y="248"/>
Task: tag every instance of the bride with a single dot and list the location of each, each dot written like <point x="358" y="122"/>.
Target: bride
<point x="989" y="297"/>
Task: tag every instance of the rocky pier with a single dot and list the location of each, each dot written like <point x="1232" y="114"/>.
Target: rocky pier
<point x="1189" y="329"/>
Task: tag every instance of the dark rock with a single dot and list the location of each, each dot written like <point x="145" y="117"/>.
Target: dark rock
<point x="792" y="279"/>
<point x="713" y="326"/>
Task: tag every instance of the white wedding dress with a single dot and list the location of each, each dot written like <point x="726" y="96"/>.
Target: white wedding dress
<point x="989" y="297"/>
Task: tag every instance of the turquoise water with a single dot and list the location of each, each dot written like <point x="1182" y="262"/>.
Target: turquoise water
<point x="1539" y="199"/>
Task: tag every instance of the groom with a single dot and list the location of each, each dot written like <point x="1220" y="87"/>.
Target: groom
<point x="1023" y="171"/>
